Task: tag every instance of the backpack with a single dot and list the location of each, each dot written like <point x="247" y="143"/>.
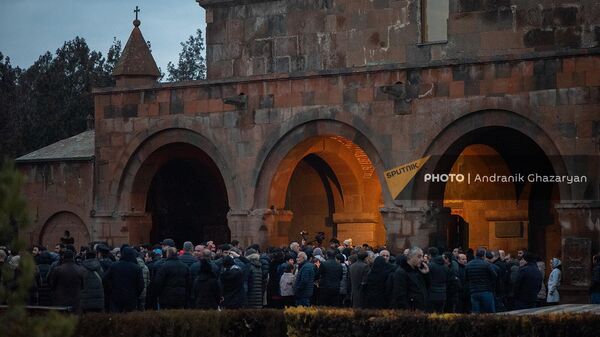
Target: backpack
<point x="286" y="284"/>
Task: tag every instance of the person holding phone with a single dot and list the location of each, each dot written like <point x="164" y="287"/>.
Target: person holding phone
<point x="410" y="283"/>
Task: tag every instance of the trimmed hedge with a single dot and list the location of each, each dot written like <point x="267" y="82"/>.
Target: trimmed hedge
<point x="305" y="322"/>
<point x="184" y="323"/>
<point x="314" y="322"/>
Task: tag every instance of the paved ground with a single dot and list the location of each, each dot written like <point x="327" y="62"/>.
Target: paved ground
<point x="557" y="309"/>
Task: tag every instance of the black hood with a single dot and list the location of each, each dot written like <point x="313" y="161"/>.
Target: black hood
<point x="128" y="254"/>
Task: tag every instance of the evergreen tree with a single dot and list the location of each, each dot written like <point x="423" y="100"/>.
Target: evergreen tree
<point x="51" y="100"/>
<point x="15" y="283"/>
<point x="191" y="64"/>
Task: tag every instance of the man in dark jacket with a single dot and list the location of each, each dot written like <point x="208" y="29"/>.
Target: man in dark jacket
<point x="502" y="282"/>
<point x="464" y="299"/>
<point x="453" y="284"/>
<point x="438" y="275"/>
<point x="125" y="282"/>
<point x="304" y="285"/>
<point x="66" y="281"/>
<point x="172" y="283"/>
<point x="44" y="260"/>
<point x="528" y="283"/>
<point x="187" y="257"/>
<point x="206" y="293"/>
<point x="358" y="276"/>
<point x="481" y="278"/>
<point x="329" y="275"/>
<point x="410" y="284"/>
<point x="92" y="295"/>
<point x="106" y="260"/>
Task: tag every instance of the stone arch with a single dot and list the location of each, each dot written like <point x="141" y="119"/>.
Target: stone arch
<point x="57" y="223"/>
<point x="147" y="143"/>
<point x="277" y="148"/>
<point x="512" y="137"/>
<point x="453" y="134"/>
<point x="354" y="163"/>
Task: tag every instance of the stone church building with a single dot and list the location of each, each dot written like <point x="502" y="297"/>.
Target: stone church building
<point x="306" y="105"/>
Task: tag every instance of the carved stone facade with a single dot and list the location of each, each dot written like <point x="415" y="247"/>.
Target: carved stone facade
<point x="347" y="89"/>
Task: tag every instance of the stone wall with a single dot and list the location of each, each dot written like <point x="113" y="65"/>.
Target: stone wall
<point x="247" y="38"/>
<point x="59" y="194"/>
<point x="553" y="100"/>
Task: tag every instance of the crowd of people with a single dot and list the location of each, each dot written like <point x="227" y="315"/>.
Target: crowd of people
<point x="207" y="276"/>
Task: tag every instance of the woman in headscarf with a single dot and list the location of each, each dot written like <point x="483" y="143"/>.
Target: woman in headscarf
<point x="375" y="296"/>
<point x="554" y="282"/>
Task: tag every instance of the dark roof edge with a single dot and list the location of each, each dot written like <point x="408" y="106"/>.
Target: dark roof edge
<point x="45" y="160"/>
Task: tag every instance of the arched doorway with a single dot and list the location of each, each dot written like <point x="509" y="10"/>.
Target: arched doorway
<point x="327" y="184"/>
<point x="57" y="224"/>
<point x="503" y="208"/>
<point x="183" y="192"/>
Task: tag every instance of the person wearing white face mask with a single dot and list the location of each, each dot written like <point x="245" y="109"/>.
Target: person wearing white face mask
<point x="554" y="282"/>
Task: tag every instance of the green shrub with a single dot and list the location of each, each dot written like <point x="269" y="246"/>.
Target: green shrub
<point x="184" y="323"/>
<point x="305" y="322"/>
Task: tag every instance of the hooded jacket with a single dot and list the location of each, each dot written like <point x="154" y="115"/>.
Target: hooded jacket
<point x="554" y="281"/>
<point x="256" y="283"/>
<point x="125" y="280"/>
<point x="374" y="293"/>
<point x="92" y="295"/>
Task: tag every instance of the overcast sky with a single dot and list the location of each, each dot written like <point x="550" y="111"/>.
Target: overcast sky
<point x="29" y="28"/>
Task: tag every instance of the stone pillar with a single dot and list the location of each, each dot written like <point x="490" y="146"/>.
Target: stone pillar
<point x="359" y="226"/>
<point x="249" y="227"/>
<point x="137" y="226"/>
<point x="580" y="225"/>
<point x="405" y="228"/>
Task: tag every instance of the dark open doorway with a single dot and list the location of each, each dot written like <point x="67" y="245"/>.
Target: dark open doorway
<point x="187" y="199"/>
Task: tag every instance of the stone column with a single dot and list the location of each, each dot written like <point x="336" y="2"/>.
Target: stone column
<point x="405" y="228"/>
<point x="137" y="227"/>
<point x="359" y="226"/>
<point x="248" y="226"/>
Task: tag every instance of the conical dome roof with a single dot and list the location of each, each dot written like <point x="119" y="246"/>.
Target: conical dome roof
<point x="136" y="59"/>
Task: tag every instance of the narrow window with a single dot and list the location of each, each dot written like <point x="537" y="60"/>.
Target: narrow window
<point x="434" y="20"/>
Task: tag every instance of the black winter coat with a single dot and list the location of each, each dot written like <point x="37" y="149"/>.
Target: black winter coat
<point x="173" y="284"/>
<point x="528" y="284"/>
<point x="439" y="275"/>
<point x="188" y="259"/>
<point x="374" y="291"/>
<point x="330" y="274"/>
<point x="92" y="295"/>
<point x="66" y="281"/>
<point x="232" y="288"/>
<point x="206" y="293"/>
<point x="480" y="275"/>
<point x="358" y="274"/>
<point x="410" y="288"/>
<point x="44" y="294"/>
<point x="256" y="286"/>
<point x="125" y="281"/>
